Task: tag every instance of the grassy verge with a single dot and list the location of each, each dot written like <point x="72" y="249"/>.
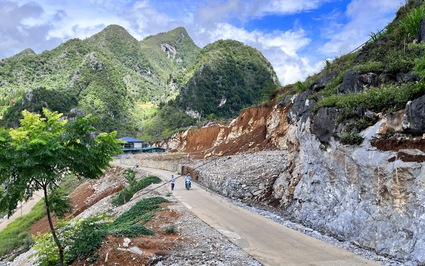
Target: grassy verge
<point x="126" y="194"/>
<point x="17" y="235"/>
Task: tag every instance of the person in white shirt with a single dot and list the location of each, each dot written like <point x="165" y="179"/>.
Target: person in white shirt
<point x="172" y="182"/>
<point x="187" y="181"/>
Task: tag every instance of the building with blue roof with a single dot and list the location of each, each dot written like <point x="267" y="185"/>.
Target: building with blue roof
<point x="137" y="145"/>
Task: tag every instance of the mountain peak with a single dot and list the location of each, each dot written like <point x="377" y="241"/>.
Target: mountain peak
<point x="112" y="32"/>
<point x="26" y="52"/>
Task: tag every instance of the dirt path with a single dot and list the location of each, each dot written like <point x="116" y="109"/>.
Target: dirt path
<point x="24" y="209"/>
<point x="267" y="241"/>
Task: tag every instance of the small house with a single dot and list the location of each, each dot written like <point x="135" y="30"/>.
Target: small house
<point x="132" y="144"/>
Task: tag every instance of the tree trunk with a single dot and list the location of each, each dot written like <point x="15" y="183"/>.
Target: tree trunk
<point x="52" y="228"/>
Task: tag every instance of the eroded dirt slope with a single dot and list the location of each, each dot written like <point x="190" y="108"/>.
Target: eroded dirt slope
<point x="255" y="129"/>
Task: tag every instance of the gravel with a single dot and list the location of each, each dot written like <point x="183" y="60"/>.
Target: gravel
<point x="207" y="246"/>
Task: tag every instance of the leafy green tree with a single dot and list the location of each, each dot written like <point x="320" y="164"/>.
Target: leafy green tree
<point x="42" y="151"/>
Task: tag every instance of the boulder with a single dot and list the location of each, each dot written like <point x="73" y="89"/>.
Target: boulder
<point x="392" y="122"/>
<point x="321" y="82"/>
<point x="403" y="77"/>
<point x="369" y="79"/>
<point x="324" y="124"/>
<point x="355" y="82"/>
<point x="351" y="83"/>
<point x="386" y="78"/>
<point x="414" y="118"/>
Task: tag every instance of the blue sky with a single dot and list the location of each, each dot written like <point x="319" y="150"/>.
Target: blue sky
<point x="296" y="36"/>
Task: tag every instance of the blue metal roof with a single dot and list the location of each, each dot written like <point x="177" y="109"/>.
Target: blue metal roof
<point x="132" y="140"/>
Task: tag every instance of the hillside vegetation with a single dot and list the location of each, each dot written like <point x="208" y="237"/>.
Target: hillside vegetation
<point x="128" y="84"/>
<point x="380" y="77"/>
<point x="107" y="75"/>
<point x="227" y="77"/>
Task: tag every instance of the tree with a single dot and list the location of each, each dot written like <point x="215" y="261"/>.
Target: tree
<point x="44" y="150"/>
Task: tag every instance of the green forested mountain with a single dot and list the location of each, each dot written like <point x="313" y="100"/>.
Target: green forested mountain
<point x="107" y="75"/>
<point x="226" y="77"/>
<point x="128" y="84"/>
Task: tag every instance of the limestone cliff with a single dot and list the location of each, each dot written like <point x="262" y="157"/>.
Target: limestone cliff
<point x="371" y="195"/>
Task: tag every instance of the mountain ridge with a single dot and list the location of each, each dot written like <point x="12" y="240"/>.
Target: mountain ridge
<point x="119" y="80"/>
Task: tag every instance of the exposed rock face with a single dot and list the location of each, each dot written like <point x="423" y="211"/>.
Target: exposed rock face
<point x="169" y="50"/>
<point x="356" y="194"/>
<point x="414" y="119"/>
<point x="301" y="107"/>
<point x="354" y="82"/>
<point x="254" y="128"/>
<point x="372" y="196"/>
<point x="321" y="82"/>
<point x="392" y="122"/>
<point x="324" y="124"/>
<point x="351" y="83"/>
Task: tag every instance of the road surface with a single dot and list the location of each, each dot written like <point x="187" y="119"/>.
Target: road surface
<point x="25" y="208"/>
<point x="267" y="241"/>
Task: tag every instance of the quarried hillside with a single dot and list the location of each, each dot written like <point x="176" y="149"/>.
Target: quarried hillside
<point x="368" y="195"/>
<point x="255" y="129"/>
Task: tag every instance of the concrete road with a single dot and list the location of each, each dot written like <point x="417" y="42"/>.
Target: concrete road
<point x="267" y="241"/>
<point x="23" y="209"/>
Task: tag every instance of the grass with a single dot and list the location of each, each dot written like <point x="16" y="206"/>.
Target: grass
<point x="16" y="235"/>
<point x="21" y="226"/>
<point x="410" y="22"/>
<point x="375" y="99"/>
<point x="126" y="194"/>
<point x="128" y="224"/>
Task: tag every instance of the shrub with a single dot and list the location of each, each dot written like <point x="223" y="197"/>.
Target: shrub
<point x="410" y="23"/>
<point x="126" y="194"/>
<point x="132" y="231"/>
<point x="87" y="237"/>
<point x="375" y="99"/>
<point x="82" y="238"/>
<point x="171" y="230"/>
<point x="127" y="224"/>
<point x="351" y="139"/>
<point x="419" y="68"/>
<point x="371" y="66"/>
<point x="300" y="87"/>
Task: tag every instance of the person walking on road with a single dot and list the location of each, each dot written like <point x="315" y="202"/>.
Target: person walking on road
<point x="172" y="182"/>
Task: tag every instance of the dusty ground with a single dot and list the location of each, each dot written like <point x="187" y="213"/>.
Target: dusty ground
<point x="91" y="192"/>
<point x="115" y="252"/>
<point x="86" y="195"/>
<point x="180" y="237"/>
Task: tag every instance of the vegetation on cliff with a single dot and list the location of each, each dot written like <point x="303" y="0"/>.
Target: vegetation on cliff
<point x="381" y="76"/>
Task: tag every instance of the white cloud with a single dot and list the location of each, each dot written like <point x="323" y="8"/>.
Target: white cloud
<point x="145" y="19"/>
<point x="364" y="17"/>
<point x="281" y="48"/>
<point x="294" y="53"/>
<point x="287" y="6"/>
<point x="21" y="27"/>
